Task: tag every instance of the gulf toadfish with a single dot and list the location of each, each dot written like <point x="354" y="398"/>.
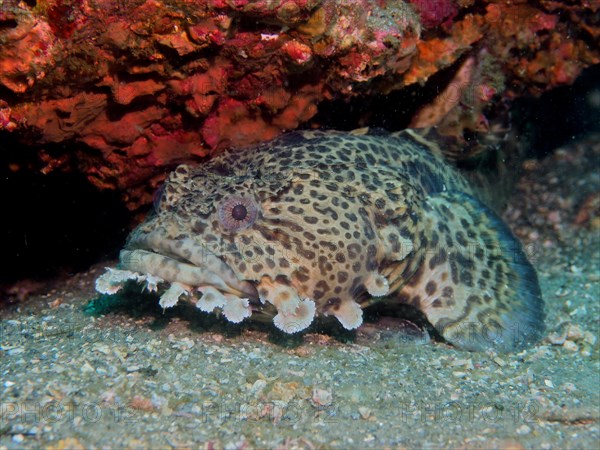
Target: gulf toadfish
<point x="328" y="223"/>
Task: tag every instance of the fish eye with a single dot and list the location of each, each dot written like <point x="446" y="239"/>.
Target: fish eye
<point x="237" y="213"/>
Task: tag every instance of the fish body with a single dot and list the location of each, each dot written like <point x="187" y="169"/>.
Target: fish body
<point x="328" y="223"/>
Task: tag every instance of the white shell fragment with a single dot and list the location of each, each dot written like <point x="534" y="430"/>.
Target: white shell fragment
<point x="171" y="295"/>
<point x="298" y="320"/>
<point x="377" y="285"/>
<point x="111" y="281"/>
<point x="349" y="315"/>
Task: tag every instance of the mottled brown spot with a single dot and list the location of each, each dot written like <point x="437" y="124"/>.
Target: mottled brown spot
<point x="479" y="254"/>
<point x="416" y="276"/>
<point x="460" y="238"/>
<point x="454" y="271"/>
<point x="474" y="299"/>
<point x="307" y="254"/>
<point x="301" y="275"/>
<point x="439" y="258"/>
<point x="199" y="227"/>
<point x="333" y="303"/>
<point x="339" y="257"/>
<point x="308" y="235"/>
<point x="466" y="278"/>
<point x="342" y="277"/>
<point x="430" y="287"/>
<point x="447" y="292"/>
<point x="353" y="250"/>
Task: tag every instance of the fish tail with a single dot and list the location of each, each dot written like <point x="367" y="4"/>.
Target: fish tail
<point x="474" y="284"/>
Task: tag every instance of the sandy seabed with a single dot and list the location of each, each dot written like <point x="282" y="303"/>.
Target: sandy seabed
<point x="79" y="371"/>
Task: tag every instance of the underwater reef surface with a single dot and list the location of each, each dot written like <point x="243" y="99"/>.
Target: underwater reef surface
<point x="81" y="371"/>
<point x="122" y="91"/>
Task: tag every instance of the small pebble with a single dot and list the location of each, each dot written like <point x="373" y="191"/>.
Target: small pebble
<point x="523" y="430"/>
<point x="575" y="333"/>
<point x="579" y="311"/>
<point x="499" y="361"/>
<point x="570" y="346"/>
<point x="101" y="348"/>
<point x="467" y="363"/>
<point x="257" y="388"/>
<point x="589" y="337"/>
<point x="86" y="367"/>
<point x="364" y="412"/>
<point x="321" y="397"/>
<point x="554" y="217"/>
<point x="15" y="351"/>
<point x="557" y="338"/>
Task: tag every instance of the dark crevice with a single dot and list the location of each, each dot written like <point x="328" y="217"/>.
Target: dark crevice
<point x="177" y="61"/>
<point x="244" y="23"/>
<point x="116" y="111"/>
<point x="10" y="23"/>
<point x="7" y="95"/>
<point x="560" y="115"/>
<point x="392" y="112"/>
<point x="53" y="223"/>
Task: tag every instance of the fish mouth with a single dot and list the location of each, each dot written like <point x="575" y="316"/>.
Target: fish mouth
<point x="190" y="269"/>
<point x="183" y="261"/>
